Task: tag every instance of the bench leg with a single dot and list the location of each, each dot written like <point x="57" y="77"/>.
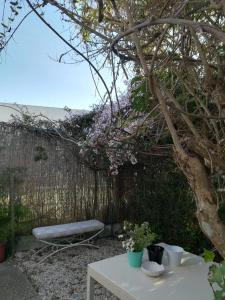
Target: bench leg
<point x="90" y="288"/>
<point x="40" y="250"/>
<point x="67" y="246"/>
<point x="64" y="248"/>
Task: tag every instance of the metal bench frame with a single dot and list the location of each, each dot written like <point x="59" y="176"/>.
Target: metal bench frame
<point x="61" y="247"/>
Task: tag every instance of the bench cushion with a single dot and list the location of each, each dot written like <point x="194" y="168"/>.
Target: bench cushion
<point x="56" y="231"/>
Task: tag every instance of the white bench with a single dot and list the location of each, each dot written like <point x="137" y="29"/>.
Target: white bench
<point x="47" y="233"/>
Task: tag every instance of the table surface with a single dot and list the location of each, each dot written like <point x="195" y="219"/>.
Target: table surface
<point x="186" y="282"/>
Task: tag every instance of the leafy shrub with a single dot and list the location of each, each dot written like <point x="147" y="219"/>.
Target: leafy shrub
<point x="160" y="195"/>
<point x="216" y="275"/>
<point x="4" y="229"/>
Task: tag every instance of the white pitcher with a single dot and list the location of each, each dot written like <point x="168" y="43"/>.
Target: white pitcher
<point x="172" y="255"/>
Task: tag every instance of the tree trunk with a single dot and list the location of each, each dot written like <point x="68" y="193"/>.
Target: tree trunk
<point x="206" y="200"/>
<point x="196" y="173"/>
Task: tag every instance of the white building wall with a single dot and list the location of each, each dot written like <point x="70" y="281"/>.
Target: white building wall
<point x="53" y="113"/>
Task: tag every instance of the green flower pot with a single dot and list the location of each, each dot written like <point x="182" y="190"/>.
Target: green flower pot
<point x="135" y="259"/>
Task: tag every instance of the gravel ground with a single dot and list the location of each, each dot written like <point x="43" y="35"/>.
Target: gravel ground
<point x="63" y="276"/>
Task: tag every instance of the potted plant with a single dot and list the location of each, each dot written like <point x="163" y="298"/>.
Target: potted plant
<point x="4" y="232"/>
<point x="137" y="237"/>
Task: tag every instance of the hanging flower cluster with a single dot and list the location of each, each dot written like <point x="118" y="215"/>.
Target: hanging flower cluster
<point x="112" y="125"/>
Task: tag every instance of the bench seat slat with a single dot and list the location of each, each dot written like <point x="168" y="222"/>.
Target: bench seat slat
<point x="63" y="230"/>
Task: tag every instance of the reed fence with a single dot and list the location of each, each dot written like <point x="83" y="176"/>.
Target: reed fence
<point x="58" y="188"/>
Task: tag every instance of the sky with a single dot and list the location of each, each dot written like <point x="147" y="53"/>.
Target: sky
<point x="29" y="76"/>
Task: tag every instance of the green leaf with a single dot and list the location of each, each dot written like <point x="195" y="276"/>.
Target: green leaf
<point x="139" y="103"/>
<point x="14" y="3"/>
<point x="85" y="34"/>
<point x="14" y="10"/>
<point x="218" y="295"/>
<point x="208" y="255"/>
<point x="5" y="26"/>
<point x="222" y="267"/>
<point x="217" y="276"/>
<point x="136" y="79"/>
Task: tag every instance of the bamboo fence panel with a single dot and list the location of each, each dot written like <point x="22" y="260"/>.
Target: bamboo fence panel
<point x="60" y="189"/>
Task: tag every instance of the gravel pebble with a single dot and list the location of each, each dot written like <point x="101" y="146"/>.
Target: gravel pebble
<point x="63" y="276"/>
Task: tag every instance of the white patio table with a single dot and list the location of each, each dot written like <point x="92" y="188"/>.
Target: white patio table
<point x="186" y="282"/>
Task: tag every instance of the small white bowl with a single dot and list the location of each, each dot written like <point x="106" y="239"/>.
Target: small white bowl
<point x="152" y="269"/>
